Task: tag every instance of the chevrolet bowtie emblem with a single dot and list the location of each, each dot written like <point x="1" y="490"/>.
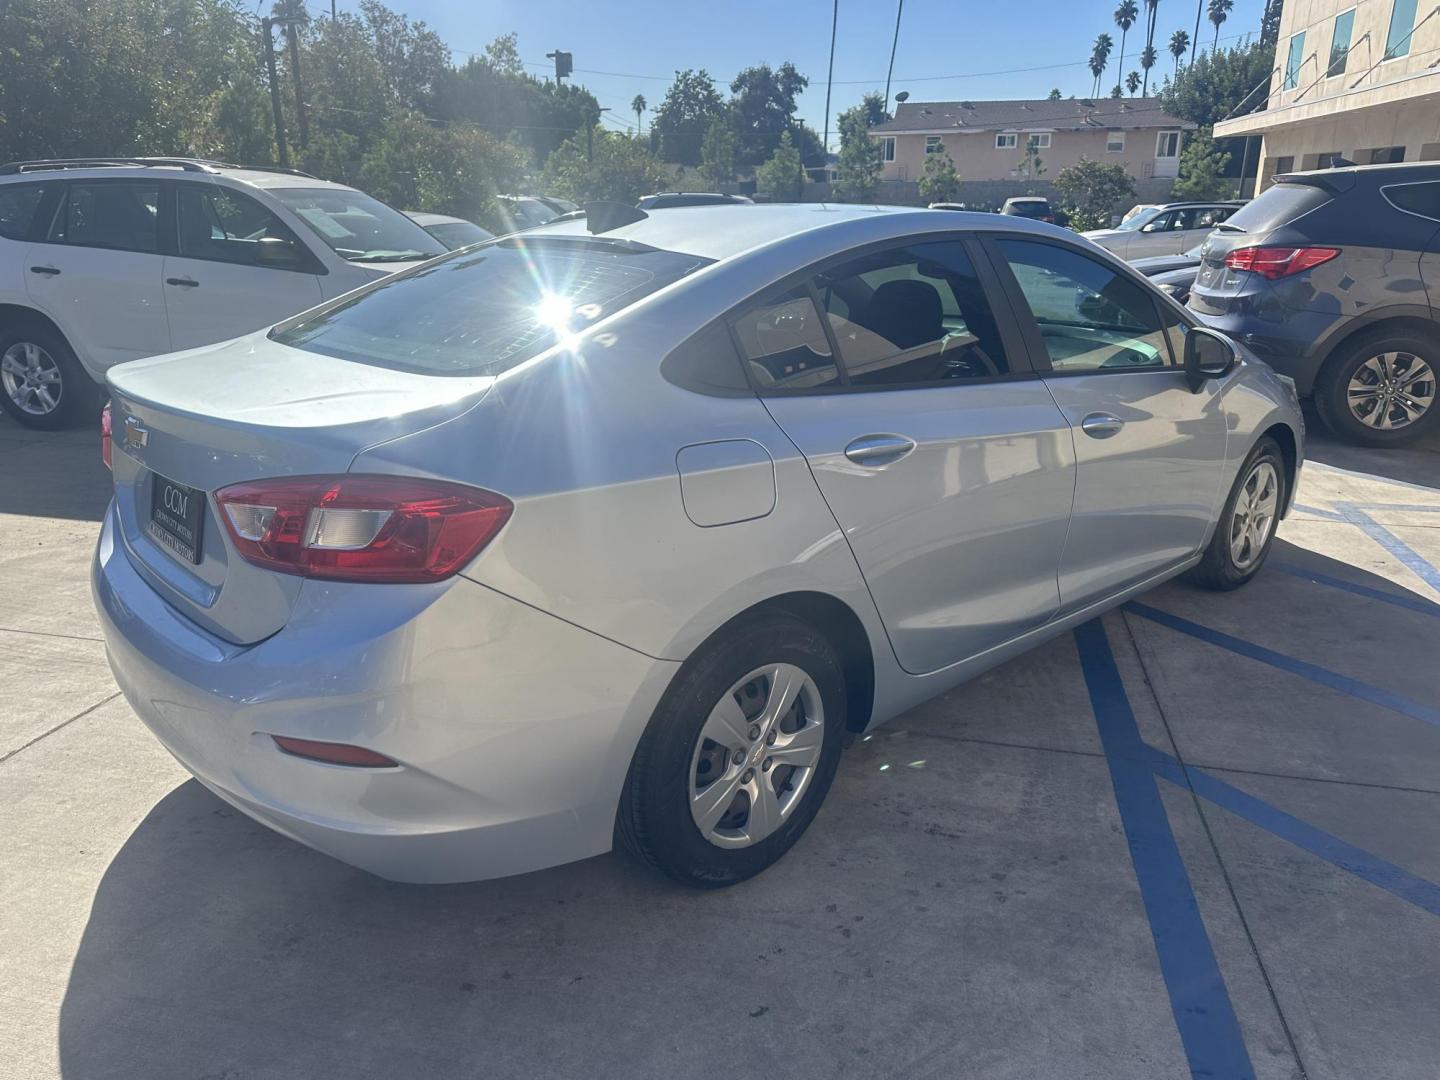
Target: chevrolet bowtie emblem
<point x="136" y="436"/>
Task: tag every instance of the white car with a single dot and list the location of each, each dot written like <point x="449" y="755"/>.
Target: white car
<point x="1168" y="229"/>
<point x="108" y="260"/>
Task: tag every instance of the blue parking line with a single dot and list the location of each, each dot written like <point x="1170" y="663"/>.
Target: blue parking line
<point x="1204" y="1015"/>
<point x="1314" y="672"/>
<point x="1413" y="560"/>
<point x="1409" y="603"/>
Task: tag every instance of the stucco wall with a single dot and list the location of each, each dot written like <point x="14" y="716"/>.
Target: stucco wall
<point x="976" y="157"/>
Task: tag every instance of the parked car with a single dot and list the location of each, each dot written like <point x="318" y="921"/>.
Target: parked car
<point x="1029" y="206"/>
<point x="453" y="232"/>
<point x="107" y="260"/>
<point x="1331" y="277"/>
<point x="946" y="206"/>
<point x="1163" y="230"/>
<point x="530" y="211"/>
<point x="479" y="569"/>
<point x="668" y="200"/>
<point x="1173" y="274"/>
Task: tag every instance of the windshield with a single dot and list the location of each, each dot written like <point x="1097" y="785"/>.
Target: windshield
<point x="458" y="234"/>
<point x="484" y="310"/>
<point x="357" y="227"/>
<point x="1139" y="221"/>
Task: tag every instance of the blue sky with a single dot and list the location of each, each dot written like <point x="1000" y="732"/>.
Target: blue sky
<point x="964" y="42"/>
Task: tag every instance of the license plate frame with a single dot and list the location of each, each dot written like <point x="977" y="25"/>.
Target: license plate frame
<point x="177" y="518"/>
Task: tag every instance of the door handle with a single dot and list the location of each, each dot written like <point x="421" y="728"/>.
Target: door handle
<point x="49" y="271"/>
<point x="189" y="283"/>
<point x="878" y="450"/>
<point x="1101" y="425"/>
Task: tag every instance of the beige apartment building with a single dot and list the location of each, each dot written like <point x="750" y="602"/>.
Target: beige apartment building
<point x="1353" y="79"/>
<point x="987" y="139"/>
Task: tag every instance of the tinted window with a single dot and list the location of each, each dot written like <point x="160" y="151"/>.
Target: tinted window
<point x="18" y="203"/>
<point x="225" y="226"/>
<point x="357" y="227"/>
<point x="708" y="363"/>
<point x="481" y="312"/>
<point x="915" y="314"/>
<point x="1276" y="206"/>
<point x="120" y="214"/>
<point x="458" y="234"/>
<point x="1091" y="318"/>
<point x="1422" y="199"/>
<point x="784" y="344"/>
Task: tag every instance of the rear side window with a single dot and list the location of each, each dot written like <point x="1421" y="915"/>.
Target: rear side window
<point x="18" y="204"/>
<point x="121" y="214"/>
<point x="1276" y="206"/>
<point x="485" y="310"/>
<point x="1422" y="199"/>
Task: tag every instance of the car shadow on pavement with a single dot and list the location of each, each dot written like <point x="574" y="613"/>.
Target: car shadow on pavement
<point x="1414" y="463"/>
<point x="52" y="474"/>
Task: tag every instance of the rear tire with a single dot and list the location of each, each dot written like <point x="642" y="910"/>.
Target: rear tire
<point x="1246" y="529"/>
<point x="1380" y="390"/>
<point x="42" y="384"/>
<point x="681" y="777"/>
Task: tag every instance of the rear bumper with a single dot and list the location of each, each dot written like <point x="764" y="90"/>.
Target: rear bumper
<point x="513" y="729"/>
<point x="1292" y="344"/>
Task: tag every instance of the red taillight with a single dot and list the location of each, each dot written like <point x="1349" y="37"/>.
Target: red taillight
<point x="105" y="436"/>
<point x="1278" y="262"/>
<point x="361" y="528"/>
<point x="334" y="753"/>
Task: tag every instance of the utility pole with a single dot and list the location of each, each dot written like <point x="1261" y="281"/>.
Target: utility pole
<point x="829" y="82"/>
<point x="893" y="43"/>
<point x="292" y="37"/>
<point x="267" y="27"/>
<point x="564" y="64"/>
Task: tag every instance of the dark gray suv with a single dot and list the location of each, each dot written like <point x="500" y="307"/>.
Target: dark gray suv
<point x="1333" y="278"/>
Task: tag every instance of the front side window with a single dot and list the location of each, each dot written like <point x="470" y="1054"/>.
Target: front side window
<point x="18" y="205"/>
<point x="916" y="314"/>
<point x="484" y="310"/>
<point x="784" y="345"/>
<point x="357" y="227"/>
<point x="933" y="144"/>
<point x="119" y="214"/>
<point x="1340" y="44"/>
<point x="887" y="148"/>
<point x="1167" y="144"/>
<point x="1091" y="318"/>
<point x="1115" y="142"/>
<point x="1294" y="60"/>
<point x="1402" y="25"/>
<point x="221" y="225"/>
<point x="1005" y="142"/>
<point x="1162" y="222"/>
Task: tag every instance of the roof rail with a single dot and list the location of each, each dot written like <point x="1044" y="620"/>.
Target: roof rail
<point x="45" y="164"/>
<point x="275" y="169"/>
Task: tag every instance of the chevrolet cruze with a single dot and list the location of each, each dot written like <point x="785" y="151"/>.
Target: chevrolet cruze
<point x="616" y="530"/>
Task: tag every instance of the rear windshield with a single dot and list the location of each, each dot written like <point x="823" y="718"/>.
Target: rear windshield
<point x="357" y="227"/>
<point x="486" y="309"/>
<point x="1274" y="207"/>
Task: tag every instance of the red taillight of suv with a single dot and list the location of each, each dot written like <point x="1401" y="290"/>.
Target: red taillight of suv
<point x="1278" y="262"/>
<point x="105" y="451"/>
<point x="361" y="528"/>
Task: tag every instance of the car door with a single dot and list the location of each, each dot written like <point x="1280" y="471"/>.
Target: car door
<point x="1158" y="237"/>
<point x="1150" y="451"/>
<point x="942" y="456"/>
<point x="237" y="267"/>
<point x="97" y="269"/>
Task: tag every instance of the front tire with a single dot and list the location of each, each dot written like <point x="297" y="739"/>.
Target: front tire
<point x="1246" y="529"/>
<point x="1381" y="389"/>
<point x="42" y="384"/>
<point x="739" y="755"/>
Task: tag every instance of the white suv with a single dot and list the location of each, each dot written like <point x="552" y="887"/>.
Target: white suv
<point x="108" y="260"/>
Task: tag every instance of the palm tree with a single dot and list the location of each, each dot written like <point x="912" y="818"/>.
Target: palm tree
<point x="1125" y="16"/>
<point x="1219" y="10"/>
<point x="1132" y="82"/>
<point x="1099" y="58"/>
<point x="637" y="105"/>
<point x="1147" y="61"/>
<point x="1151" y="10"/>
<point x="1179" y="43"/>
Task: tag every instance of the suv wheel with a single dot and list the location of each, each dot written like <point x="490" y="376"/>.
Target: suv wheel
<point x="1381" y="389"/>
<point x="42" y="384"/>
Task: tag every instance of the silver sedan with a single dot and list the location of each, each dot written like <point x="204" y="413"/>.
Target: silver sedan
<point x="614" y="530"/>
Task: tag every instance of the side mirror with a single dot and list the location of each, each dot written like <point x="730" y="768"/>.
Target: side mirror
<point x="277" y="253"/>
<point x="1208" y="355"/>
<point x="1153" y="226"/>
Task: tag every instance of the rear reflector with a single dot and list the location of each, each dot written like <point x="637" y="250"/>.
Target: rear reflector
<point x="361" y="528"/>
<point x="105" y="451"/>
<point x="1278" y="262"/>
<point x="334" y="753"/>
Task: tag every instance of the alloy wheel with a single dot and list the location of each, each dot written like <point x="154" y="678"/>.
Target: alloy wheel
<point x="1254" y="515"/>
<point x="1391" y="390"/>
<point x="756" y="755"/>
<point x="31" y="378"/>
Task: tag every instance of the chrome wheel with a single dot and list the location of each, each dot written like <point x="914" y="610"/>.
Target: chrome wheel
<point x="31" y="378"/>
<point x="1391" y="390"/>
<point x="756" y="755"/>
<point x="1253" y="518"/>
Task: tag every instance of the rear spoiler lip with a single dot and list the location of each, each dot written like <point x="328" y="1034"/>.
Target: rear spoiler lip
<point x="1336" y="182"/>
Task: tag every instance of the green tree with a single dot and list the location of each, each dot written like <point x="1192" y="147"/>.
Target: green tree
<point x="691" y="105"/>
<point x="762" y="105"/>
<point x="1125" y="16"/>
<point x="940" y="182"/>
<point x="621" y="170"/>
<point x="1201" y="165"/>
<point x="1031" y="164"/>
<point x="783" y="176"/>
<point x="1269" y="22"/>
<point x="1148" y="56"/>
<point x="1092" y="192"/>
<point x="637" y="106"/>
<point x="1179" y="45"/>
<point x="1054" y="94"/>
<point x="1218" y="11"/>
<point x="717" y="154"/>
<point x="1217" y="84"/>
<point x="857" y="170"/>
<point x="1132" y="82"/>
<point x="1152" y="11"/>
<point x="1099" y="58"/>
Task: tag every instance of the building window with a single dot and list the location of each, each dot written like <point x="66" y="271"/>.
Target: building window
<point x="1327" y="159"/>
<point x="1039" y="142"/>
<point x="1340" y="44"/>
<point x="1402" y="25"/>
<point x="1115" y="142"/>
<point x="1284" y="164"/>
<point x="1385" y="155"/>
<point x="933" y="144"/>
<point x="1167" y="144"/>
<point x="887" y="148"/>
<point x="1296" y="58"/>
<point x="1005" y="142"/>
